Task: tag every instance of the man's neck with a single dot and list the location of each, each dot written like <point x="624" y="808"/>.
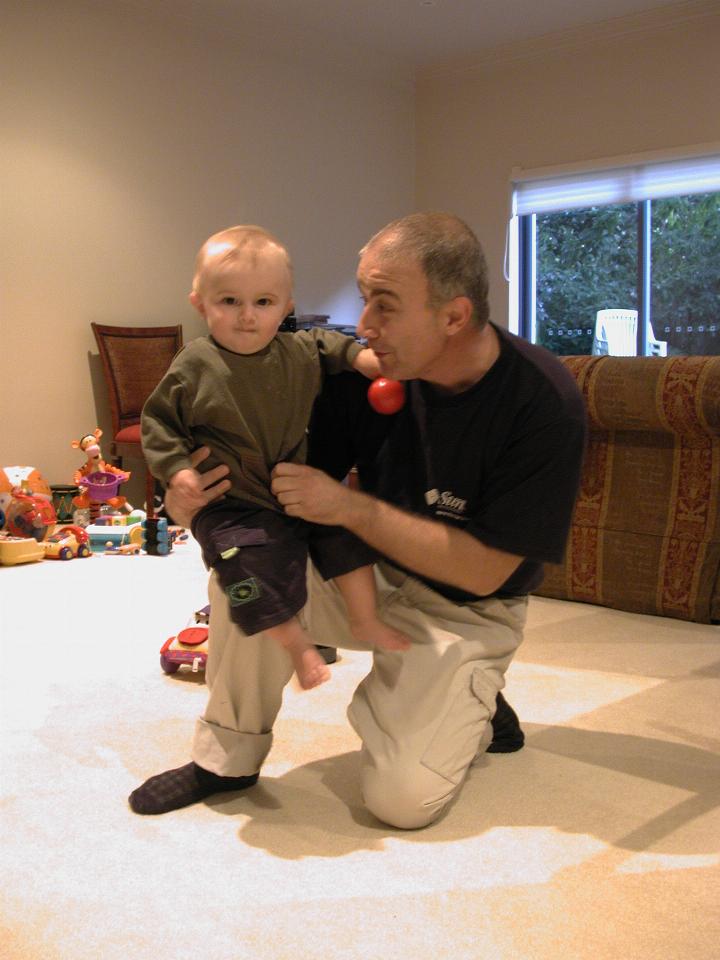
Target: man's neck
<point x="468" y="358"/>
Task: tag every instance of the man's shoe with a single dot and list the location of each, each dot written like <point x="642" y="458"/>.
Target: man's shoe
<point x="507" y="734"/>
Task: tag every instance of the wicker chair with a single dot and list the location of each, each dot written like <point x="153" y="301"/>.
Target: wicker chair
<point x="134" y="360"/>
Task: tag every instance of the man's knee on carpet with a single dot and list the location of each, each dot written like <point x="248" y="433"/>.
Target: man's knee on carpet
<point x="407" y="797"/>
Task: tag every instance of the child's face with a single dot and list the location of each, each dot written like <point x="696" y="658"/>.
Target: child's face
<point x="245" y="299"/>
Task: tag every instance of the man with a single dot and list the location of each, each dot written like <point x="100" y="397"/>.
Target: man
<point x="465" y="493"/>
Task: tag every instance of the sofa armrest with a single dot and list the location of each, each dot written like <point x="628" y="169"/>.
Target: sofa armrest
<point x="645" y="534"/>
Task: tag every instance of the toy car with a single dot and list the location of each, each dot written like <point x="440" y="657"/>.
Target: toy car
<point x="14" y="550"/>
<point x="29" y="515"/>
<point x="66" y="543"/>
<point x="190" y="646"/>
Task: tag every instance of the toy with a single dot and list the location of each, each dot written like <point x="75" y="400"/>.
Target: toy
<point x="178" y="535"/>
<point x="14" y="550"/>
<point x="121" y="549"/>
<point x="110" y="533"/>
<point x="66" y="543"/>
<point x="190" y="646"/>
<point x="29" y="515"/>
<point x="102" y="485"/>
<point x="62" y="498"/>
<point x="98" y="480"/>
<point x="386" y="396"/>
<point x="28" y="479"/>
<point x="157" y="540"/>
<point x="101" y="535"/>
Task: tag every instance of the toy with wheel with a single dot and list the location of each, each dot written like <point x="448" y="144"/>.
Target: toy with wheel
<point x="66" y="543"/>
<point x="189" y="647"/>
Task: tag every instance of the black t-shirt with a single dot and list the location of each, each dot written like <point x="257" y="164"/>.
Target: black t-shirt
<point x="500" y="460"/>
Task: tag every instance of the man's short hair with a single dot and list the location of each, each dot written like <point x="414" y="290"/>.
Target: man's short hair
<point x="448" y="253"/>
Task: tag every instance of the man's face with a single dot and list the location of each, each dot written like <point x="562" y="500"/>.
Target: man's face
<point x="405" y="333"/>
<point x="245" y="299"/>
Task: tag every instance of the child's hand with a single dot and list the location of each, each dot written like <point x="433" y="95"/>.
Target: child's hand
<point x="367" y="363"/>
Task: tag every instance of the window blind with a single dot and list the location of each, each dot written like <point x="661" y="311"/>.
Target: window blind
<point x="620" y="184"/>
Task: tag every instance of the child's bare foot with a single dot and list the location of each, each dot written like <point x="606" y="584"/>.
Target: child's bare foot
<point x="376" y="633"/>
<point x="309" y="666"/>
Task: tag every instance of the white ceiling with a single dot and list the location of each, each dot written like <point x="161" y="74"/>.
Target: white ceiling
<point x="396" y="37"/>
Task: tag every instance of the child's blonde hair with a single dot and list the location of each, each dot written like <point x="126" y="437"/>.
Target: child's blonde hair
<point x="227" y="244"/>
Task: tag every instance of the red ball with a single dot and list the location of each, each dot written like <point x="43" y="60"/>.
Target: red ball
<point x="386" y="396"/>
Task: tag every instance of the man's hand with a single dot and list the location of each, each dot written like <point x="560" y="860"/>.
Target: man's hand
<point x="311" y="494"/>
<point x="425" y="545"/>
<point x="189" y="491"/>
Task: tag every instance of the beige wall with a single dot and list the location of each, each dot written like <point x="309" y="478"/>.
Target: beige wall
<point x="127" y="140"/>
<point x="130" y="138"/>
<point x="577" y="100"/>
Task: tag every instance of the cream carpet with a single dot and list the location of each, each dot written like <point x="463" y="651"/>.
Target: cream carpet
<point x="600" y="839"/>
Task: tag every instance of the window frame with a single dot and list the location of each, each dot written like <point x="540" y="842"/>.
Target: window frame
<point x="639" y="178"/>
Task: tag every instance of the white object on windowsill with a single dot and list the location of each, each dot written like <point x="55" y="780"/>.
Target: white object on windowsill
<point x="616" y="335"/>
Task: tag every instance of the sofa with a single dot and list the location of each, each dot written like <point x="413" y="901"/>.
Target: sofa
<point x="645" y="533"/>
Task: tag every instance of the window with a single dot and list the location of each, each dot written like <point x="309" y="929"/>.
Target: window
<point x="640" y="242"/>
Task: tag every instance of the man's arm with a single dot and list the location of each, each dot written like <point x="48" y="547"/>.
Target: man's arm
<point x="429" y="547"/>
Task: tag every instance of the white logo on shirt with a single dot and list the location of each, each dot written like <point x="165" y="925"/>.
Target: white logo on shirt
<point x="445" y="503"/>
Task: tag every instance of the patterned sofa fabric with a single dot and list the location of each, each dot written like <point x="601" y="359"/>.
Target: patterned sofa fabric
<point x="646" y="528"/>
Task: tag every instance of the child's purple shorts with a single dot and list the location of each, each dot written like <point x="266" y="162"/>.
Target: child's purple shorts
<point x="260" y="558"/>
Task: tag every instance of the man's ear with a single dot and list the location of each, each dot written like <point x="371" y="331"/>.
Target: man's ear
<point x="458" y="314"/>
<point x="197" y="301"/>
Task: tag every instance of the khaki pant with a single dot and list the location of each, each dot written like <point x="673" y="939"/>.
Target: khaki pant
<point x="423" y="715"/>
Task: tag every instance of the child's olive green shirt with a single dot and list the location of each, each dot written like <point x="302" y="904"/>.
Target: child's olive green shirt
<point x="251" y="410"/>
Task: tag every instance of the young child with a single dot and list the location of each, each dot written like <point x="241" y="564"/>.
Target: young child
<point x="246" y="391"/>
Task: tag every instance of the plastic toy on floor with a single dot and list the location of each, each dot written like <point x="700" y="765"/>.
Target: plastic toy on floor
<point x="121" y="549"/>
<point x="66" y="543"/>
<point x="27" y="479"/>
<point x="29" y="515"/>
<point x="97" y="479"/>
<point x="15" y="550"/>
<point x="105" y="537"/>
<point x="190" y="646"/>
<point x="158" y="538"/>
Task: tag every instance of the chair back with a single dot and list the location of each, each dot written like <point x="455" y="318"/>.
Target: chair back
<point x="616" y="333"/>
<point x="134" y="360"/>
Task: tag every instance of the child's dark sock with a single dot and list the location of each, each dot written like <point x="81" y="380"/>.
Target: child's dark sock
<point x="181" y="787"/>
